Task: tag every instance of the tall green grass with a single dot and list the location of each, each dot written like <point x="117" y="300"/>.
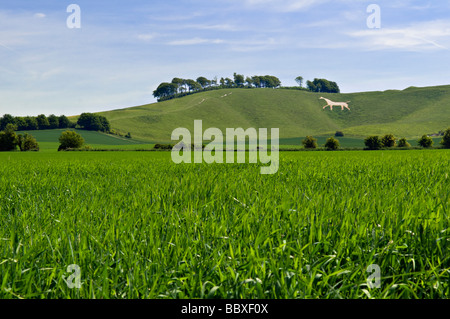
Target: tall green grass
<point x="140" y="226"/>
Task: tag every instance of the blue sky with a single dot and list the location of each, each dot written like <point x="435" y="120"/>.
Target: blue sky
<point x="124" y="49"/>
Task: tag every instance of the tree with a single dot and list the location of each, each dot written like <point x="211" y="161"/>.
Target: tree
<point x="42" y="122"/>
<point x="8" y="138"/>
<point x="64" y="122"/>
<point x="446" y="138"/>
<point x="179" y="83"/>
<point x="94" y="122"/>
<point x="53" y="121"/>
<point x="193" y="85"/>
<point x="5" y="120"/>
<point x="339" y="134"/>
<point x="373" y="143"/>
<point x="70" y="139"/>
<point x="322" y="85"/>
<point x="32" y="123"/>
<point x="165" y="90"/>
<point x="204" y="82"/>
<point x="310" y="142"/>
<point x="27" y="143"/>
<point x="238" y="79"/>
<point x="299" y="80"/>
<point x="332" y="144"/>
<point x="403" y="143"/>
<point x="21" y="123"/>
<point x="271" y="81"/>
<point x="249" y="81"/>
<point x="388" y="140"/>
<point x="229" y="82"/>
<point x="425" y="141"/>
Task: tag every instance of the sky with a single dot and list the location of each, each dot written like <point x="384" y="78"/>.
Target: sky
<point x="120" y="51"/>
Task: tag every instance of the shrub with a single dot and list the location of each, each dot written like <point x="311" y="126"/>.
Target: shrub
<point x="425" y="141"/>
<point x="339" y="134"/>
<point x="388" y="140"/>
<point x="27" y="143"/>
<point x="403" y="143"/>
<point x="70" y="139"/>
<point x="446" y="138"/>
<point x="8" y="138"/>
<point x="332" y="144"/>
<point x="163" y="146"/>
<point x="373" y="142"/>
<point x="309" y="142"/>
<point x="128" y="135"/>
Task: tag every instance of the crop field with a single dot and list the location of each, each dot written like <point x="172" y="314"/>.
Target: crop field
<point x="136" y="225"/>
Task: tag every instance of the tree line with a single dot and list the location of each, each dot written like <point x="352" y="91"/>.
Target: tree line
<point x="31" y="123"/>
<point x="179" y="87"/>
<point x="86" y="121"/>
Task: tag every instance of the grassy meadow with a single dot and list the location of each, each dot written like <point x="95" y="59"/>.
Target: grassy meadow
<point x="140" y="226"/>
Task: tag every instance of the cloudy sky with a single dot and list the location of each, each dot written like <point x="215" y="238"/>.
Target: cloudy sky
<point x="124" y="49"/>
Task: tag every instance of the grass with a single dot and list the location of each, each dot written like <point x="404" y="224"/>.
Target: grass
<point x="140" y="226"/>
<point x="409" y="113"/>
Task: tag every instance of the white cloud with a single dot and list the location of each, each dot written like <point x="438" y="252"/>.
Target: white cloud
<point x="431" y="35"/>
<point x="194" y="41"/>
<point x="283" y="5"/>
<point x="214" y="27"/>
<point x="147" y="36"/>
<point x="40" y="15"/>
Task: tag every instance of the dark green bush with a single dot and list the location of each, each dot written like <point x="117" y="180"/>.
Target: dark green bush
<point x="309" y="142"/>
<point x="403" y="143"/>
<point x="70" y="139"/>
<point x="373" y="142"/>
<point x="388" y="140"/>
<point x="425" y="141"/>
<point x="332" y="144"/>
<point x="446" y="138"/>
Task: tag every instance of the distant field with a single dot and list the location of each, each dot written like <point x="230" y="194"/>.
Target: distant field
<point x="139" y="226"/>
<point x="48" y="141"/>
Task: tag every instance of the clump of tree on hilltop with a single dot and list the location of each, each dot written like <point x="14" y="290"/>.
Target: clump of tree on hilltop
<point x="179" y="87"/>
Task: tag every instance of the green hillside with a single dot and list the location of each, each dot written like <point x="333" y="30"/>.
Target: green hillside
<point x="409" y="113"/>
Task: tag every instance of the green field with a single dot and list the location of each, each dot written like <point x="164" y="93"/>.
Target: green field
<point x="409" y="113"/>
<point x="49" y="140"/>
<point x="139" y="226"/>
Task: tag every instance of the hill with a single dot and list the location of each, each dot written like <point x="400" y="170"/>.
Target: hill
<point x="409" y="113"/>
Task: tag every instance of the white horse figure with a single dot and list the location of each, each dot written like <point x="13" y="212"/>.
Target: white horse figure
<point x="331" y="104"/>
